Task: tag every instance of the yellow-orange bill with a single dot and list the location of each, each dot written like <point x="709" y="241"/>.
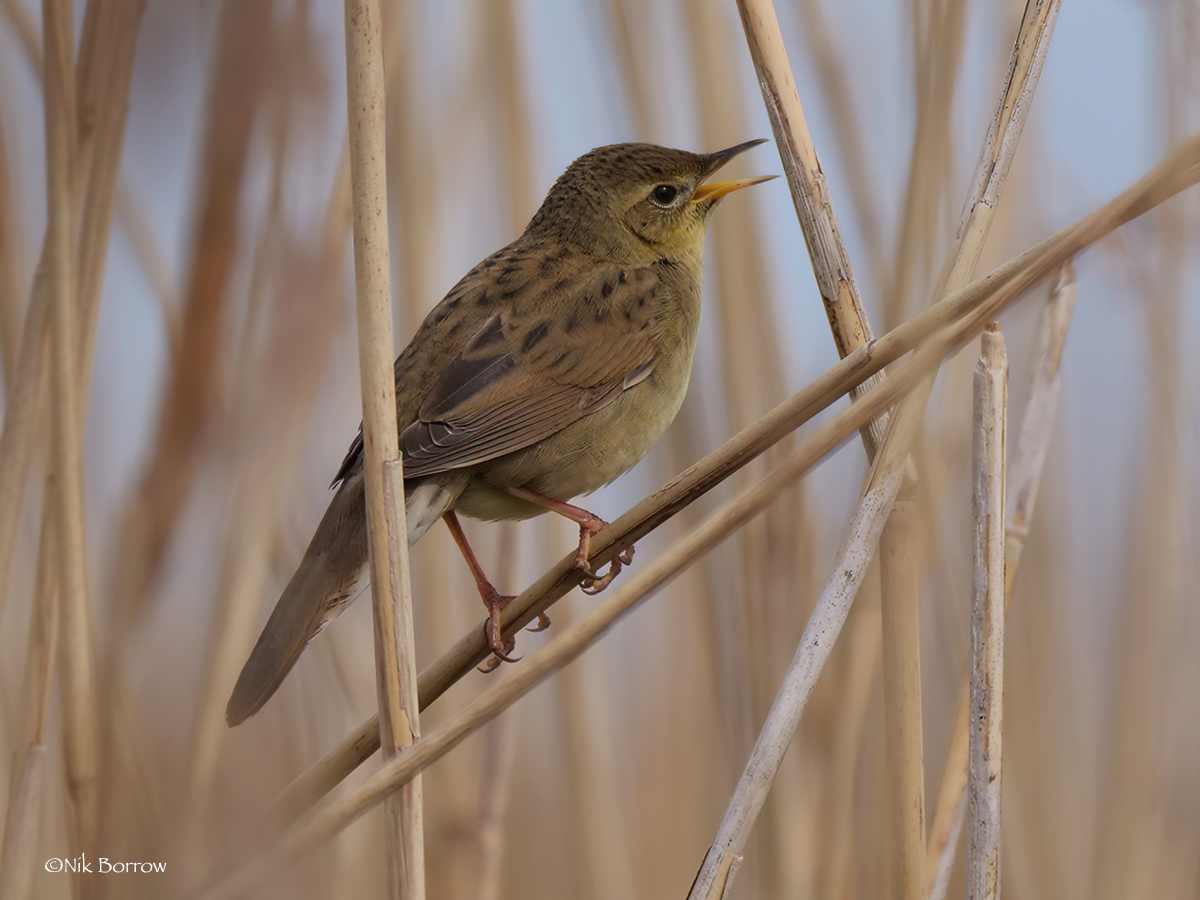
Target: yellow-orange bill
<point x="718" y="189"/>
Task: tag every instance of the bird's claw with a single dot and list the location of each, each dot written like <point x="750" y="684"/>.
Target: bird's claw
<point x="501" y="649"/>
<point x="542" y="623"/>
<point x="594" y="583"/>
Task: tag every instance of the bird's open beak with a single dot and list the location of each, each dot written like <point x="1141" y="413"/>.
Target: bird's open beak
<point x="717" y="189"/>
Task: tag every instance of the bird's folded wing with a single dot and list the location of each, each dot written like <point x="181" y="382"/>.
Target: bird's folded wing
<point x="525" y="377"/>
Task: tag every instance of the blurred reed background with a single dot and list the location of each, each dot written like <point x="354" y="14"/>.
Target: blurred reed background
<point x="224" y="392"/>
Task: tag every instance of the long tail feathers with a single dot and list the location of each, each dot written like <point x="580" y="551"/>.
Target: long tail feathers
<point x="318" y="589"/>
<point x="321" y="586"/>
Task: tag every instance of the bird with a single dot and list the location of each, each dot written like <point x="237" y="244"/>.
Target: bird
<point x="549" y="370"/>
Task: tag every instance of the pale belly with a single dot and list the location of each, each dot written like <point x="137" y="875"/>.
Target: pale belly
<point x="582" y="457"/>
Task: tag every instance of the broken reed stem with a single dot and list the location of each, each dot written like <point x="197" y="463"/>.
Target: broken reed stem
<point x="1025" y="474"/>
<point x="900" y="570"/>
<point x="336" y="813"/>
<point x="1029" y="51"/>
<point x="987" y="620"/>
<point x="395" y="654"/>
<point x="979" y="302"/>
<point x="65" y="483"/>
<point x="1033" y="441"/>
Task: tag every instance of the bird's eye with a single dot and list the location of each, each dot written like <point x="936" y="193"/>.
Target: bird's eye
<point x="664" y="194"/>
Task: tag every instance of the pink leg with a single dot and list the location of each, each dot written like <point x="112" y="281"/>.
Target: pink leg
<point x="589" y="524"/>
<point x="492" y="598"/>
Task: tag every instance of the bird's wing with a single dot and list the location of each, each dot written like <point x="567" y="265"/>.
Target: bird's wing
<point x="524" y="376"/>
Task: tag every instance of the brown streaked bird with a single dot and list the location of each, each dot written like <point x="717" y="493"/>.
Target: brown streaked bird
<point x="549" y="370"/>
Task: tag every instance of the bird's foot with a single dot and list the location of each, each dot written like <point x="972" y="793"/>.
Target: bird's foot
<point x="590" y="525"/>
<point x="501" y="649"/>
<point x="595" y="583"/>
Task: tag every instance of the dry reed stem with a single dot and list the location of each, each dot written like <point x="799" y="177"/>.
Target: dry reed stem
<point x="751" y="366"/>
<point x="265" y="401"/>
<point x="499" y="755"/>
<point x="979" y="302"/>
<point x="109" y="67"/>
<point x="902" y="715"/>
<point x="818" y="221"/>
<point x="850" y="328"/>
<point x="987" y="619"/>
<point x="843" y="306"/>
<point x="837" y="812"/>
<point x="106" y="71"/>
<point x="288" y="370"/>
<point x="995" y="160"/>
<point x="22" y="409"/>
<point x="763" y="590"/>
<point x="1142" y="846"/>
<point x="143" y="242"/>
<point x="130" y="212"/>
<point x="333" y="815"/>
<point x="1037" y="424"/>
<point x="835" y="85"/>
<point x="1020" y="81"/>
<point x="900" y="560"/>
<point x="858" y="547"/>
<point x="185" y="409"/>
<point x="65" y="481"/>
<point x="900" y="571"/>
<point x="1028" y="55"/>
<point x="286" y="374"/>
<point x="939" y="42"/>
<point x="18" y="854"/>
<point x="109" y="35"/>
<point x="10" y="301"/>
<point x="22" y="23"/>
<point x="28" y="781"/>
<point x="1025" y="474"/>
<point x="850" y="565"/>
<point x="387" y="540"/>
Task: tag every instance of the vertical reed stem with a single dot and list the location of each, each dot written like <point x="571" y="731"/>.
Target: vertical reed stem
<point x="66" y="482"/>
<point x="987" y="620"/>
<point x="388" y="544"/>
<point x="899" y="558"/>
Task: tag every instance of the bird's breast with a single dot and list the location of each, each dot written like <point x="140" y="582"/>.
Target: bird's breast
<point x="592" y="451"/>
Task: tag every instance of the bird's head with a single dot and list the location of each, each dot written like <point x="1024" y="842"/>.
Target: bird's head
<point x="638" y="202"/>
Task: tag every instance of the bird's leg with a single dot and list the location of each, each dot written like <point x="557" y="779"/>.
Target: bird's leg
<point x="492" y="598"/>
<point x="589" y="524"/>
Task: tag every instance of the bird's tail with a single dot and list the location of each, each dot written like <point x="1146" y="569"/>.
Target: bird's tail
<point x="321" y="586"/>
